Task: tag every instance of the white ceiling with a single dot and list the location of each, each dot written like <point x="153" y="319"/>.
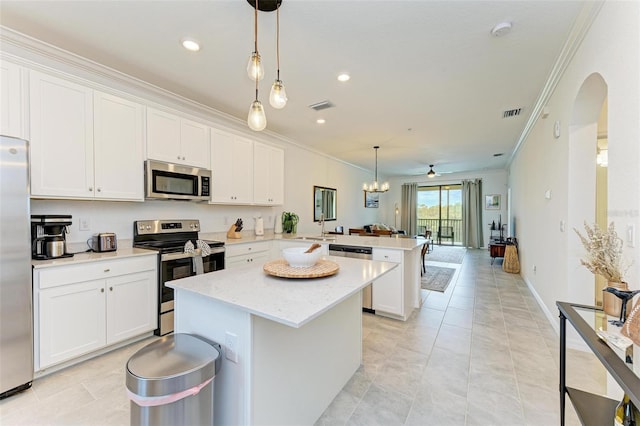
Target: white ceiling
<point x="429" y="82"/>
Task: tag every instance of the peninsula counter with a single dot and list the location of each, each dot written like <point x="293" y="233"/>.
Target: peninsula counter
<point x="290" y="345"/>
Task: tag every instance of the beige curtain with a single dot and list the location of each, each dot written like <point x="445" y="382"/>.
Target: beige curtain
<point x="409" y="215"/>
<point x="472" y="213"/>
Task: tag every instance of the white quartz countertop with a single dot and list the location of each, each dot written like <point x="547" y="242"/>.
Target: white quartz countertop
<point x="393" y="242"/>
<point x="92" y="257"/>
<point x="292" y="302"/>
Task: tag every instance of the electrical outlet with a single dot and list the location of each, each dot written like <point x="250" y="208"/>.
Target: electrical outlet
<point x="85" y="224"/>
<point x="231" y="347"/>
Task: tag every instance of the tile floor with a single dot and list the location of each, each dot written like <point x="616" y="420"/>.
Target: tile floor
<point x="482" y="353"/>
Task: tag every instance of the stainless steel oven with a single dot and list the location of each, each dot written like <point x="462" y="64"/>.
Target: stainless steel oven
<point x="169" y="237"/>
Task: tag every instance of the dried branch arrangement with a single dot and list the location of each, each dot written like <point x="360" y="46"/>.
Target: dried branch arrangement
<point x="604" y="252"/>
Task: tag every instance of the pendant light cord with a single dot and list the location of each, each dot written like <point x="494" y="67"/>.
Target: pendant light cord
<point x="376" y="164"/>
<point x="278" y="41"/>
<point x="255" y="40"/>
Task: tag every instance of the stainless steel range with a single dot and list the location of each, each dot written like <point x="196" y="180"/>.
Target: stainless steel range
<point x="169" y="238"/>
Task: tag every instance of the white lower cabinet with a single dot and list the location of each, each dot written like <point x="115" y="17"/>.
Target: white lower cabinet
<point x="388" y="290"/>
<point x="85" y="307"/>
<point x="240" y="254"/>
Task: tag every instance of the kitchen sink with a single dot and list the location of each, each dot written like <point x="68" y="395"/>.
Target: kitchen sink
<point x="316" y="238"/>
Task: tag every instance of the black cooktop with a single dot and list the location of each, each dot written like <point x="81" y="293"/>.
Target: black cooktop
<point x="167" y="236"/>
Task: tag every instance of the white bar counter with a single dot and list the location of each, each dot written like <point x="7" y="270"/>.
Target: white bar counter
<point x="290" y="345"/>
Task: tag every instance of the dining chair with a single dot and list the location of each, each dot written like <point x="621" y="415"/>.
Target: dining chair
<point x="445" y="232"/>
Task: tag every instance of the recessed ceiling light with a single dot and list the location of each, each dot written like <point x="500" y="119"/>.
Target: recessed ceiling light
<point x="501" y="29"/>
<point x="344" y="77"/>
<point x="190" y="44"/>
<point x="321" y="121"/>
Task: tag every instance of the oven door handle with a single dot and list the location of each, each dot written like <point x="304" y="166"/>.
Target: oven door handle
<point x="197" y="252"/>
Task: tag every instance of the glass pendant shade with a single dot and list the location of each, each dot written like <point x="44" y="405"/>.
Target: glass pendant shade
<point x="255" y="70"/>
<point x="278" y="96"/>
<point x="257" y="120"/>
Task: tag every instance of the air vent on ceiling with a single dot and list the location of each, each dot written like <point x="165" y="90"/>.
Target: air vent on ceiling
<point x="319" y="106"/>
<point x="511" y="113"/>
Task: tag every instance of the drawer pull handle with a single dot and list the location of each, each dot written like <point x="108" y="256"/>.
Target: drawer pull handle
<point x="107" y="270"/>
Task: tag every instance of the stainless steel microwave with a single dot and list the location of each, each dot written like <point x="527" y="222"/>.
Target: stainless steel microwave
<point x="176" y="182"/>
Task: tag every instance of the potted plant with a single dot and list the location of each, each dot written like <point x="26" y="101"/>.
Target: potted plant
<point x="604" y="258"/>
<point x="289" y="222"/>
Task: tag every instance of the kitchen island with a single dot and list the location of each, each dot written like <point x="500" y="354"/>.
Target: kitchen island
<point x="290" y="345"/>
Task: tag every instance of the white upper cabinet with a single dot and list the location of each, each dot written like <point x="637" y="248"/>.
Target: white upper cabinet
<point x="245" y="171"/>
<point x="11" y="101"/>
<point x="268" y="174"/>
<point x="231" y="168"/>
<point x="118" y="148"/>
<point x="84" y="144"/>
<point x="61" y="138"/>
<point x="177" y="140"/>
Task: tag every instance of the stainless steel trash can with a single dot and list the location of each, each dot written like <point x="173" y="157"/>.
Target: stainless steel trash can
<point x="171" y="381"/>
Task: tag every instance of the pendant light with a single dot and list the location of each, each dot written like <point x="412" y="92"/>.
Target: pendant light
<point x="256" y="120"/>
<point x="373" y="186"/>
<point x="278" y="95"/>
<point x="431" y="173"/>
<point x="255" y="70"/>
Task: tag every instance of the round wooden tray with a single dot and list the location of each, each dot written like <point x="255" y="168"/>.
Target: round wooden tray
<point x="280" y="268"/>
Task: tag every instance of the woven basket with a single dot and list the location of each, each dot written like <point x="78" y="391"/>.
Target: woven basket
<point x="631" y="327"/>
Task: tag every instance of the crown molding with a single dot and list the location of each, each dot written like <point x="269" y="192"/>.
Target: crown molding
<point x="41" y="56"/>
<point x="574" y="40"/>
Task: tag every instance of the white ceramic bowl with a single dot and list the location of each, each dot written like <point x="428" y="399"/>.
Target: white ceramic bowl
<point x="297" y="258"/>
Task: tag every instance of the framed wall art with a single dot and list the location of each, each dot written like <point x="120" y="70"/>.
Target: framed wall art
<point x="492" y="202"/>
<point x="371" y="199"/>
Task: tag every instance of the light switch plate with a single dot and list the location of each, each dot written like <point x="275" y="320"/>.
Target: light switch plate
<point x="556" y="129"/>
<point x="231" y="347"/>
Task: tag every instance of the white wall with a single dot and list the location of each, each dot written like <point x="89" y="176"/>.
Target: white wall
<point x="544" y="162"/>
<point x="493" y="182"/>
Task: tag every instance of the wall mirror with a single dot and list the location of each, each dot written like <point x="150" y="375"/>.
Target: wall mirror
<point x="324" y="202"/>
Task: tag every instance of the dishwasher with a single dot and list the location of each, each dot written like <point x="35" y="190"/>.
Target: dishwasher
<point x="357" y="252"/>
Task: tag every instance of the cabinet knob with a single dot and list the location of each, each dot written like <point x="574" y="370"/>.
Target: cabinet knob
<point x="178" y="157"/>
<point x="102" y="290"/>
<point x="99" y="190"/>
<point x="90" y="189"/>
<point x="110" y="288"/>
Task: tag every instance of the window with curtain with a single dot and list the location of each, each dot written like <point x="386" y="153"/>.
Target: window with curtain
<point x="438" y="206"/>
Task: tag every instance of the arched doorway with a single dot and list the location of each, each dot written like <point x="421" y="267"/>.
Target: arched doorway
<point x="587" y="182"/>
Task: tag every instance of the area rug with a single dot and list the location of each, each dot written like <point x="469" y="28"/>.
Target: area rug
<point x="446" y="254"/>
<point x="437" y="278"/>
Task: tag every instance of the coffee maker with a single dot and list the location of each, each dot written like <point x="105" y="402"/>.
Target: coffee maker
<point x="48" y="236"/>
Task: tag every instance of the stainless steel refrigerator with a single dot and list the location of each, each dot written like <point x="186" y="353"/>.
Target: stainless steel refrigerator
<point x="16" y="316"/>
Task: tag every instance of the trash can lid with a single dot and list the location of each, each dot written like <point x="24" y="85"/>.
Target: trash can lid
<point x="171" y="364"/>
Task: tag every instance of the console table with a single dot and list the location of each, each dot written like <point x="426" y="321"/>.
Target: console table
<point x="593" y="409"/>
